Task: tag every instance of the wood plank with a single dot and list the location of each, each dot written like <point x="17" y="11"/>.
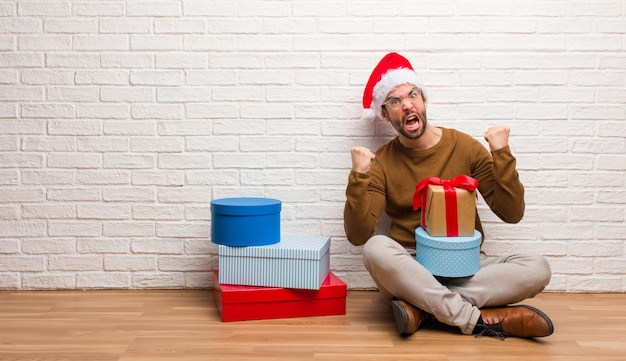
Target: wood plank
<point x="128" y="325"/>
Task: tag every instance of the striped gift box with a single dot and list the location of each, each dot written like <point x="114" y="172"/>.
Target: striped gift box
<point x="294" y="262"/>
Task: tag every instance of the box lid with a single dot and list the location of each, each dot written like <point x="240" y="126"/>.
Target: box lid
<point x="289" y="246"/>
<point x="332" y="287"/>
<point x="463" y="242"/>
<point x="245" y="206"/>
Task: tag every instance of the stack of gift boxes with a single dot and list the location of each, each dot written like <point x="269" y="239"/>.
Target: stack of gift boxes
<point x="447" y="243"/>
<point x="263" y="274"/>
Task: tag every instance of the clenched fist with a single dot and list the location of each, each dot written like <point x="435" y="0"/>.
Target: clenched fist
<point x="497" y="136"/>
<point x="361" y="159"/>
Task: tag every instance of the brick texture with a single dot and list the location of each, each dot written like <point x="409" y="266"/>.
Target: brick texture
<point x="121" y="120"/>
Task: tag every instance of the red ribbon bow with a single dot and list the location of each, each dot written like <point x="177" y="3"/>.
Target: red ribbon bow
<point x="462" y="181"/>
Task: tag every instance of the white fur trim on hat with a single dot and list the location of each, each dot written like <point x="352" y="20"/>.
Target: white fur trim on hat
<point x="368" y="114"/>
<point x="389" y="82"/>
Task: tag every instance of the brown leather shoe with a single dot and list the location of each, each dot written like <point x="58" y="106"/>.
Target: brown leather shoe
<point x="517" y="321"/>
<point x="408" y="317"/>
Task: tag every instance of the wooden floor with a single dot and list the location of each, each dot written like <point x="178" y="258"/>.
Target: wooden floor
<point x="185" y="325"/>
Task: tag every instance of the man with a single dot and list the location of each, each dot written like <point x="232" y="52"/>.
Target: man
<point x="480" y="304"/>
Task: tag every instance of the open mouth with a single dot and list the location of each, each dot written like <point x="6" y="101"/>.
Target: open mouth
<point x="412" y="122"/>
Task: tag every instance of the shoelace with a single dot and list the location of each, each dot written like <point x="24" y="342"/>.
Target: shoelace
<point x="493" y="330"/>
<point x="489" y="330"/>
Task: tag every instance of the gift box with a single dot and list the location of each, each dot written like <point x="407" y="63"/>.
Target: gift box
<point x="294" y="262"/>
<point x="245" y="221"/>
<point x="241" y="303"/>
<point x="448" y="206"/>
<point x="448" y="256"/>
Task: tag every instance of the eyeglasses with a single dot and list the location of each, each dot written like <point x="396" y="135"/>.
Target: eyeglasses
<point x="395" y="103"/>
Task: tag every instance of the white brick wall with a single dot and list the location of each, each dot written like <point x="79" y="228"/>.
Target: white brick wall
<point x="121" y="120"/>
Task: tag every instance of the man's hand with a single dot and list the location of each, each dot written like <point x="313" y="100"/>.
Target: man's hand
<point x="497" y="136"/>
<point x="361" y="159"/>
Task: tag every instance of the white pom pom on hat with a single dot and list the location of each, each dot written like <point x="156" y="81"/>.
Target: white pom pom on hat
<point x="393" y="70"/>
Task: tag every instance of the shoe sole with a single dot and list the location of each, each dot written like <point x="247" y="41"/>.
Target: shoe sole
<point x="400" y="315"/>
<point x="538" y="311"/>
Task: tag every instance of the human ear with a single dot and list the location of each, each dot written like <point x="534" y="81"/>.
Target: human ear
<point x="384" y="114"/>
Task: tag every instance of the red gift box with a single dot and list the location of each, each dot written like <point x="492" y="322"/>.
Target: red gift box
<point x="241" y="303"/>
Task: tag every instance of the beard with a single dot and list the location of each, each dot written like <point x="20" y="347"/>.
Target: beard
<point x="411" y="118"/>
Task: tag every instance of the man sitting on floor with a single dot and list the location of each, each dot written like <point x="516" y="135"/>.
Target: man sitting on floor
<point x="386" y="180"/>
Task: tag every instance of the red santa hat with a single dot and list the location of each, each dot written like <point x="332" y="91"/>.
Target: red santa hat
<point x="393" y="70"/>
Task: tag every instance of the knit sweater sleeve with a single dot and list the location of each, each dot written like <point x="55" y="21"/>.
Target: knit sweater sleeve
<point x="500" y="185"/>
<point x="364" y="204"/>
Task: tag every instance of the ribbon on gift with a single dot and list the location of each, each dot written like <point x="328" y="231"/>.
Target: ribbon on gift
<point x="462" y="181"/>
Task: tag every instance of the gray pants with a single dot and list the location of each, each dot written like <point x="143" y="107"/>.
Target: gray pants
<point x="454" y="301"/>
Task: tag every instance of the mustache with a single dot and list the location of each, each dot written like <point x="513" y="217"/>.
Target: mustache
<point x="411" y="114"/>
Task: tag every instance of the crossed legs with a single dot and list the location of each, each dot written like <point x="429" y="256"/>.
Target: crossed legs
<point x="457" y="302"/>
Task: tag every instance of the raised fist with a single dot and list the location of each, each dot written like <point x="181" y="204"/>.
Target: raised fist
<point x="361" y="159"/>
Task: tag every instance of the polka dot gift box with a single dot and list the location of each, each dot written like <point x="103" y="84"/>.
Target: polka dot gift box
<point x="448" y="256"/>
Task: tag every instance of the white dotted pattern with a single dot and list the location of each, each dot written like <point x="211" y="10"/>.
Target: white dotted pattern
<point x="448" y="256"/>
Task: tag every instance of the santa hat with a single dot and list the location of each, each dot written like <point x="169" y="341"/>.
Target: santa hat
<point x="393" y="70"/>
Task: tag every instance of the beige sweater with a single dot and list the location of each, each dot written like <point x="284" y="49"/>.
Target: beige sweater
<point x="395" y="172"/>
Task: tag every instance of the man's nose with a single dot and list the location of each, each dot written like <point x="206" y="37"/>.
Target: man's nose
<point x="406" y="103"/>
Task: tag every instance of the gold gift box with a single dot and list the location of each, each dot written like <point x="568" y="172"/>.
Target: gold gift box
<point x="435" y="208"/>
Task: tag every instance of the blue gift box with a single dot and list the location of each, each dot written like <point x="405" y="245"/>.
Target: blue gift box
<point x="294" y="262"/>
<point x="448" y="256"/>
<point x="245" y="221"/>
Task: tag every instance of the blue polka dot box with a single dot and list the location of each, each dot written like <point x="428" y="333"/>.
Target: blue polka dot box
<point x="448" y="256"/>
